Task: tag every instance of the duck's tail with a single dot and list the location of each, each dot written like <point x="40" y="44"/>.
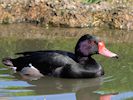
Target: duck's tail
<point x="7" y="61"/>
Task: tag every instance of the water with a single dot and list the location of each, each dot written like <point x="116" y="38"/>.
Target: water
<point x="116" y="84"/>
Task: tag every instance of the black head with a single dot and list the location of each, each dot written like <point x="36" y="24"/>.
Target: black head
<point x="88" y="45"/>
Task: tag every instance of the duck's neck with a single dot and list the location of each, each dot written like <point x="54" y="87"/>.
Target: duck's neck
<point x="85" y="60"/>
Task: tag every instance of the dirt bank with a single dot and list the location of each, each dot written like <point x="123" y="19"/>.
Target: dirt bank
<point x="66" y="13"/>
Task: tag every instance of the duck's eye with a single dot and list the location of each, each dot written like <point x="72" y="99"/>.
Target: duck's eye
<point x="92" y="42"/>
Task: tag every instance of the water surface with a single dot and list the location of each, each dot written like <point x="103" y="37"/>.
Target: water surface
<point x="116" y="84"/>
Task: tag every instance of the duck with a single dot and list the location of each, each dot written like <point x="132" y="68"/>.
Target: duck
<point x="63" y="64"/>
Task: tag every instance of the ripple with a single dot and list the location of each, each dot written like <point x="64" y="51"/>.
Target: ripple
<point x="109" y="79"/>
<point x="3" y="69"/>
<point x="6" y="75"/>
<point x="5" y="84"/>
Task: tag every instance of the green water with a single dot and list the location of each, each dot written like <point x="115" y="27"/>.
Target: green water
<point x="118" y="78"/>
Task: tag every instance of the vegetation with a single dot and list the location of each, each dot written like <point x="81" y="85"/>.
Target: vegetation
<point x="92" y="1"/>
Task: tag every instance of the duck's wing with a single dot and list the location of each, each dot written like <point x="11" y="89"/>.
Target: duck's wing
<point x="46" y="63"/>
<point x="41" y="52"/>
<point x="29" y="53"/>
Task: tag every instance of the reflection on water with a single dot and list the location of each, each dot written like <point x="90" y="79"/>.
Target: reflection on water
<point x="120" y="96"/>
<point x="23" y="37"/>
<point x="65" y="96"/>
<point x="82" y="87"/>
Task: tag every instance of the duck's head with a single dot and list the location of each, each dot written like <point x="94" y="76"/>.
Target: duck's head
<point x="88" y="45"/>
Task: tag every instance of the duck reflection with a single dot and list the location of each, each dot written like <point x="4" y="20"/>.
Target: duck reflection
<point x="83" y="88"/>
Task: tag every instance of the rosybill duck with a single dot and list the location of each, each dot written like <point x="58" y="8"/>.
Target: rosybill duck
<point x="62" y="63"/>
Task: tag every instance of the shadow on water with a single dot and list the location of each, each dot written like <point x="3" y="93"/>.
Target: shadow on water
<point x="117" y="83"/>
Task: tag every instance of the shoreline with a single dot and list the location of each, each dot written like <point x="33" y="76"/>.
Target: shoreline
<point x="66" y="13"/>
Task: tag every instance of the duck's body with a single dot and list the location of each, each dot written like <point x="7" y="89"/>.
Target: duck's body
<point x="62" y="63"/>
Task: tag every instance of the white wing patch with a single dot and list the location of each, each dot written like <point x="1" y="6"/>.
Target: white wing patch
<point x="31" y="71"/>
<point x="13" y="68"/>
